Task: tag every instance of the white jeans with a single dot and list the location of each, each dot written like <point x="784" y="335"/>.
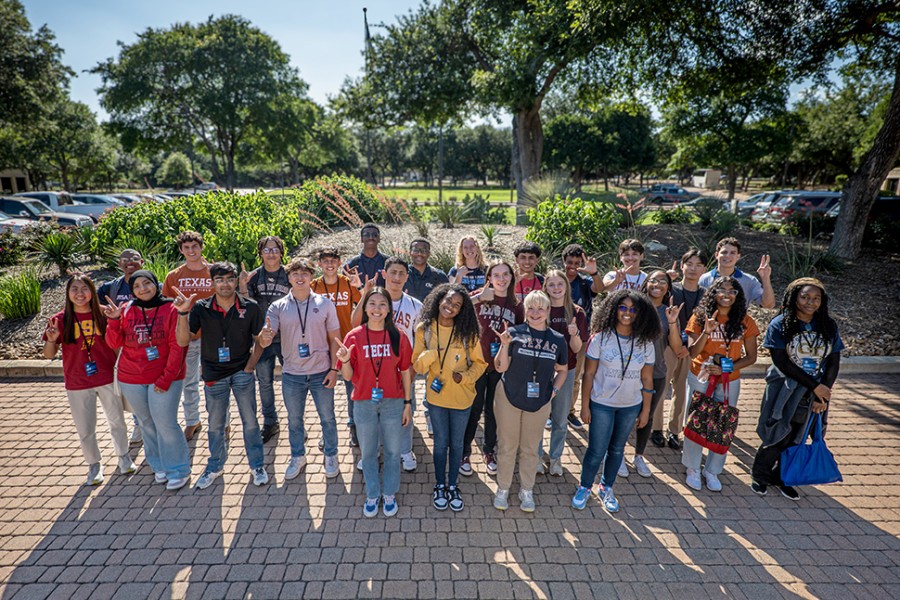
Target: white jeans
<point x="83" y="406"/>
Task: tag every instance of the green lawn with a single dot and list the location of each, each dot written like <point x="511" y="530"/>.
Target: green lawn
<point x="430" y="195"/>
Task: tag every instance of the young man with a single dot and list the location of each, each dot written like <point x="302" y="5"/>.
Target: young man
<point x="119" y="290"/>
<point x="584" y="284"/>
<point x="527" y="255"/>
<point x="406" y="315"/>
<point x="309" y="326"/>
<point x="370" y="262"/>
<point x="758" y="291"/>
<point x="229" y="327"/>
<point x="191" y="278"/>
<point x="687" y="292"/>
<point x="631" y="253"/>
<point x="422" y="277"/>
<point x="265" y="285"/>
<point x="344" y="295"/>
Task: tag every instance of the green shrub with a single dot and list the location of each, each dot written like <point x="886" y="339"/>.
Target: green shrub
<point x="37" y="231"/>
<point x="820" y="224"/>
<point x="766" y="227"/>
<point x="59" y="249"/>
<point x="12" y="249"/>
<point x="560" y="222"/>
<point x="882" y="232"/>
<point x="706" y="209"/>
<point x="477" y="209"/>
<point x="447" y="213"/>
<point x="160" y="266"/>
<point x="343" y="200"/>
<point x="489" y="233"/>
<point x="808" y="261"/>
<point x="680" y="215"/>
<point x="724" y="223"/>
<point x="20" y="294"/>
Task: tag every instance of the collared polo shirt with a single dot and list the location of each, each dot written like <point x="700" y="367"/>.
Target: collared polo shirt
<point x="419" y="285"/>
<point x="234" y="329"/>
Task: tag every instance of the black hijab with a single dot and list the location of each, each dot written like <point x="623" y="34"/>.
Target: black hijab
<point x="157" y="300"/>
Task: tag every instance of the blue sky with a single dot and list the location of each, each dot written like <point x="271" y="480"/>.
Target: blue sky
<point x="323" y="38"/>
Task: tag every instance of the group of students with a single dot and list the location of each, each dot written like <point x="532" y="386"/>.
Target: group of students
<point x="498" y="340"/>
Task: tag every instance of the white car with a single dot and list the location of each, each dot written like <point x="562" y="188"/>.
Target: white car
<point x="15" y="225"/>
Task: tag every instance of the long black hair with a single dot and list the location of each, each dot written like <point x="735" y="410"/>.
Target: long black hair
<point x="824" y="325"/>
<point x="389" y="325"/>
<point x="465" y="324"/>
<point x="646" y="325"/>
<point x="734" y="327"/>
<point x="69" y="318"/>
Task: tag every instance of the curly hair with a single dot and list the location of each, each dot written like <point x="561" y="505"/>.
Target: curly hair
<point x="734" y="327"/>
<point x="824" y="326"/>
<point x="646" y="290"/>
<point x="646" y="320"/>
<point x="466" y="328"/>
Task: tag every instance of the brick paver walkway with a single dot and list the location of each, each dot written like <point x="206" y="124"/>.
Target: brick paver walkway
<point x="131" y="539"/>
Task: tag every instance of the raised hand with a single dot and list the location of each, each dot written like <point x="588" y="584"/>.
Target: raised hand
<point x="244" y="277"/>
<point x="267" y="334"/>
<point x="112" y="310"/>
<point x="353" y="276"/>
<point x="673" y="272"/>
<point x="573" y="328"/>
<point x="712" y="323"/>
<point x="343" y="352"/>
<point x="487" y="292"/>
<point x="504" y="335"/>
<point x="673" y="311"/>
<point x="765" y="270"/>
<point x="590" y="265"/>
<point x="618" y="278"/>
<point x="462" y="271"/>
<point x="52" y="331"/>
<point x="183" y="303"/>
<point x="369" y="284"/>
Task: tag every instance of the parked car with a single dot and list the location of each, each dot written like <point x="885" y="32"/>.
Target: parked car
<point x="802" y="202"/>
<point x="761" y="208"/>
<point x="57" y="201"/>
<point x="97" y="204"/>
<point x="35" y="210"/>
<point x="662" y="193"/>
<point x="91" y="205"/>
<point x="14" y="224"/>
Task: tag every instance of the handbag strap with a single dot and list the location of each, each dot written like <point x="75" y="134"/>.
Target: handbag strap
<point x="714" y="380"/>
<point x="711" y="388"/>
<point x="812" y="418"/>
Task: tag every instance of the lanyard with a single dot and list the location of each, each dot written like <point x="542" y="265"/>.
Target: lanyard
<point x="536" y="357"/>
<point x="399" y="309"/>
<point x="447" y="349"/>
<point x="534" y="281"/>
<point x="376" y="366"/>
<point x="150" y="325"/>
<point x="625" y="365"/>
<point x="304" y="318"/>
<point x="226" y="321"/>
<point x="337" y="289"/>
<point x="88" y="344"/>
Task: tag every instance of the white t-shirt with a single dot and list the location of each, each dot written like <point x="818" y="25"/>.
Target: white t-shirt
<point x="631" y="282"/>
<point x="617" y="355"/>
<point x="406" y="315"/>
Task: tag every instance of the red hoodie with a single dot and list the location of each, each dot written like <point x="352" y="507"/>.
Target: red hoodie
<point x="134" y="333"/>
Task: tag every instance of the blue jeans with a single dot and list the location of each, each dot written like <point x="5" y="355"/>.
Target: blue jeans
<point x="692" y="453"/>
<point x="265" y="374"/>
<point x="607" y="435"/>
<point x="191" y="400"/>
<point x="382" y="421"/>
<point x="406" y="445"/>
<point x="348" y="385"/>
<point x="294" y="389"/>
<point x="243" y="385"/>
<point x="559" y="418"/>
<point x="164" y="445"/>
<point x="449" y="425"/>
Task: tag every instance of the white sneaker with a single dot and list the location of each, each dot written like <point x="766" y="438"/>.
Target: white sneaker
<point x="428" y="426"/>
<point x="126" y="465"/>
<point x="693" y="479"/>
<point x="359" y="466"/>
<point x="260" y="477"/>
<point x="160" y="477"/>
<point x="526" y="500"/>
<point x="641" y="466"/>
<point x="206" y="479"/>
<point x="409" y="462"/>
<point x="548" y="425"/>
<point x="623" y="469"/>
<point x="541" y="467"/>
<point x="712" y="481"/>
<point x="501" y="500"/>
<point x="556" y="469"/>
<point x="136" y="437"/>
<point x="95" y="474"/>
<point x="332" y="469"/>
<point x="295" y="465"/>
<point x="177" y="484"/>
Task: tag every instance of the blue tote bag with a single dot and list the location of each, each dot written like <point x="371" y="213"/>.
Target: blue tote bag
<point x="809" y="464"/>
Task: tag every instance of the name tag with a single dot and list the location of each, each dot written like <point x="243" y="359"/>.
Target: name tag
<point x="152" y="352"/>
<point x="224" y="354"/>
<point x="810" y="365"/>
<point x="377" y="395"/>
<point x="495" y="348"/>
<point x="684" y="338"/>
<point x="437" y="385"/>
<point x="90" y="368"/>
<point x="727" y="364"/>
<point x="534" y="389"/>
<point x="303" y="350"/>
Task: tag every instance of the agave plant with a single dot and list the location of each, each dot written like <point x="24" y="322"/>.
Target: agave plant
<point x="57" y="249"/>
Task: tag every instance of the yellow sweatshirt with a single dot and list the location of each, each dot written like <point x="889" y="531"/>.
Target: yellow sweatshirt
<point x="427" y="361"/>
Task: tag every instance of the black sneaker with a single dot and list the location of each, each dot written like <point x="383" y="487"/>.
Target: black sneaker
<point x="674" y="443"/>
<point x="456" y="502"/>
<point x="789" y="492"/>
<point x="268" y="431"/>
<point x="658" y="439"/>
<point x="575" y="422"/>
<point x="439" y="498"/>
<point x="760" y="489"/>
<point x="354" y="441"/>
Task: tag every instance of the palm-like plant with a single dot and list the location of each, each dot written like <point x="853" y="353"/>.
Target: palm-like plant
<point x="58" y="249"/>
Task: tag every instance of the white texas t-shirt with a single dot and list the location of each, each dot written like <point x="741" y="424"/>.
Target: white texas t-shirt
<point x="618" y="379"/>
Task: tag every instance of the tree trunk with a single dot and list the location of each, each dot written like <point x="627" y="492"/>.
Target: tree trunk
<point x="605" y="179"/>
<point x="294" y="165"/>
<point x="861" y="189"/>
<point x="528" y="146"/>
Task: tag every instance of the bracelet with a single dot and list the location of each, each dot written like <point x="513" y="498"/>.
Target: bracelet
<point x="183" y="314"/>
<point x="333" y="369"/>
<point x="646" y="391"/>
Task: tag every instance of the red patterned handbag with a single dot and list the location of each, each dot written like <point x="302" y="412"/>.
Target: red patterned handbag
<point x="709" y="423"/>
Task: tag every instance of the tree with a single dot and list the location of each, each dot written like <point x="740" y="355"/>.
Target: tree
<point x="290" y="131"/>
<point x="175" y="171"/>
<point x="214" y="82"/>
<point x="574" y="143"/>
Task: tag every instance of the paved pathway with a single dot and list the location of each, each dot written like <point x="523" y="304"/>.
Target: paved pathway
<point x="131" y="539"/>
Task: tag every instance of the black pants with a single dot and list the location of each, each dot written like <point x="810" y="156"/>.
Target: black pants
<point x="484" y="402"/>
<point x="643" y="434"/>
<point x="767" y="464"/>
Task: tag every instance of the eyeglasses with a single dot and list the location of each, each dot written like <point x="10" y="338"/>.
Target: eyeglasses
<point x="420" y="250"/>
<point x="224" y="279"/>
<point x="271" y="251"/>
<point x="629" y="309"/>
<point x="732" y="293"/>
<point x="370" y="235"/>
<point x="658" y="281"/>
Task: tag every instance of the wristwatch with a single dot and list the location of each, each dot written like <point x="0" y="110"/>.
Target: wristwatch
<point x="407" y="402"/>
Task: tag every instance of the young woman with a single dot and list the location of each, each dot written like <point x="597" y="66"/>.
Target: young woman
<point x="657" y="287"/>
<point x="572" y="323"/>
<point x="534" y="362"/>
<point x="806" y="353"/>
<point x="448" y="353"/>
<point x="722" y="339"/>
<point x="88" y="367"/>
<point x="496" y="308"/>
<point x="616" y="388"/>
<point x="469" y="269"/>
<point x="377" y="358"/>
<point x="151" y="374"/>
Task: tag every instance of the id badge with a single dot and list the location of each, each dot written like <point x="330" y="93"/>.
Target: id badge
<point x="224" y="354"/>
<point x="810" y="365"/>
<point x="377" y="395"/>
<point x="534" y="389"/>
<point x="495" y="348"/>
<point x="437" y="385"/>
<point x="684" y="339"/>
<point x="90" y="368"/>
<point x="727" y="364"/>
<point x="152" y="352"/>
<point x="303" y="350"/>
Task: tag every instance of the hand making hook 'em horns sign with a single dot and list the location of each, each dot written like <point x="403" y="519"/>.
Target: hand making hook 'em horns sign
<point x="504" y="335"/>
<point x="266" y="334"/>
<point x="673" y="311"/>
<point x="343" y="352"/>
<point x="712" y="323"/>
<point x="183" y="303"/>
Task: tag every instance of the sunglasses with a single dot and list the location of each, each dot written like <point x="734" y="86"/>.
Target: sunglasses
<point x="370" y="235"/>
<point x="629" y="309"/>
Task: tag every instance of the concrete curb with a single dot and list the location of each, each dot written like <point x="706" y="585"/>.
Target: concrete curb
<point x="39" y="369"/>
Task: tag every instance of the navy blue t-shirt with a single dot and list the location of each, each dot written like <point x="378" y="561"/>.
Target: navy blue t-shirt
<point x="807" y="349"/>
<point x="533" y="357"/>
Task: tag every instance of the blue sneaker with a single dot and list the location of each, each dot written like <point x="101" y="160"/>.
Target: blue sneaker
<point x="390" y="506"/>
<point x="609" y="499"/>
<point x="579" y="501"/>
<point x="371" y="507"/>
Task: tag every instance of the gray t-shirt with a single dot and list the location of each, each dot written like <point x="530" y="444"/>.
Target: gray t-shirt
<point x="618" y="379"/>
<point x="318" y="316"/>
<point x="753" y="290"/>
